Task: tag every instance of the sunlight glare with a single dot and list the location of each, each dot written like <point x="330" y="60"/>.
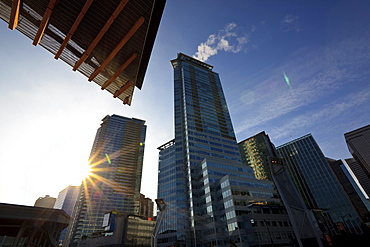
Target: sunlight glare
<point x="86" y="171"/>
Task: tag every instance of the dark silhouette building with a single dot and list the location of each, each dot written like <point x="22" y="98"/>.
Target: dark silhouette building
<point x="31" y="226"/>
<point x="45" y="202"/>
<point x="358" y="142"/>
<point x="360" y="174"/>
<point x="358" y="200"/>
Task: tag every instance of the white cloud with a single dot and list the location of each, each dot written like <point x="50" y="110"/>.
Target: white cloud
<point x="335" y="109"/>
<point x="315" y="73"/>
<point x="290" y="23"/>
<point x="228" y="39"/>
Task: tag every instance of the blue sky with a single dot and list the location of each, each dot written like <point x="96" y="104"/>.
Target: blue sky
<point x="49" y="114"/>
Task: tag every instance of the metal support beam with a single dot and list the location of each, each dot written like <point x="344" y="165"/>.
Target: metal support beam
<point x="20" y="233"/>
<point x="87" y="53"/>
<point x="14" y="14"/>
<point x="128" y="35"/>
<point x="119" y="71"/>
<point x="73" y="28"/>
<point x="44" y="22"/>
<point x="122" y="89"/>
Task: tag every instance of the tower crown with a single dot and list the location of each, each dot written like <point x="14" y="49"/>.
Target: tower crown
<point x="183" y="57"/>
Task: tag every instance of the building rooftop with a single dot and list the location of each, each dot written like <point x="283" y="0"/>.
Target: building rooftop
<point x="109" y="41"/>
<point x="196" y="62"/>
<point x="357" y="131"/>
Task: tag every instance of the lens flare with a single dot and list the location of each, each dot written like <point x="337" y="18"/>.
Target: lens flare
<point x="287" y="80"/>
<point x="247" y="97"/>
<point x="108" y="159"/>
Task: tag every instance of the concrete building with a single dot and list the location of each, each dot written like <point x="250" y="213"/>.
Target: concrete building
<point x="354" y="193"/>
<point x="358" y="142"/>
<point x="360" y="175"/>
<point x="45" y="202"/>
<point x="117" y="161"/>
<point x="146" y="206"/>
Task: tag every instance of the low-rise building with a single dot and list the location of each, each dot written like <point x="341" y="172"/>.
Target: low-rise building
<point x="122" y="229"/>
<point x="31" y="226"/>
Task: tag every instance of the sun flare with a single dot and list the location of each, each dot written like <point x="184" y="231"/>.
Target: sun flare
<point x="86" y="171"/>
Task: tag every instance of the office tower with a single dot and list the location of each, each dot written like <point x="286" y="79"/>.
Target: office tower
<point x="206" y="188"/>
<point x="45" y="202"/>
<point x="117" y="160"/>
<point x="319" y="187"/>
<point x="259" y="153"/>
<point x="255" y="152"/>
<point x="358" y="142"/>
<point x="360" y="175"/>
<point x="66" y="201"/>
<point x="352" y="190"/>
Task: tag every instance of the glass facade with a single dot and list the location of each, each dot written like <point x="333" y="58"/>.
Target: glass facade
<point x="117" y="160"/>
<point x="255" y="152"/>
<point x="259" y="153"/>
<point x="172" y="188"/>
<point x="318" y="186"/>
<point x="201" y="160"/>
<point x="66" y="200"/>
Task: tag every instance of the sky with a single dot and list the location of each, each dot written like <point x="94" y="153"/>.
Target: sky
<point x="287" y="67"/>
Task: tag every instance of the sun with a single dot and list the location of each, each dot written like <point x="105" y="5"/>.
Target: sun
<point x="86" y="171"/>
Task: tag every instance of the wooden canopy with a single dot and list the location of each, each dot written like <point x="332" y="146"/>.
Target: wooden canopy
<point x="108" y="41"/>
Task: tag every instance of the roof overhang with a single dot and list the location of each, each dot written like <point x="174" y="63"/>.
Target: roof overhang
<point x="109" y="41"/>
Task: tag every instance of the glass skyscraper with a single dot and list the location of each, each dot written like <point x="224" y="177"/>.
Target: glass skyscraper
<point x="319" y="187"/>
<point x="117" y="160"/>
<point x="205" y="185"/>
<point x="66" y="201"/>
<point x="255" y="152"/>
<point x="259" y="153"/>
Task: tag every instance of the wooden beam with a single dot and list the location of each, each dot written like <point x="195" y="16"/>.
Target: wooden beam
<point x="111" y="19"/>
<point x="44" y="22"/>
<point x="126" y="100"/>
<point x="119" y="71"/>
<point x="128" y="35"/>
<point x="74" y="27"/>
<point x="14" y="14"/>
<point x="122" y="89"/>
